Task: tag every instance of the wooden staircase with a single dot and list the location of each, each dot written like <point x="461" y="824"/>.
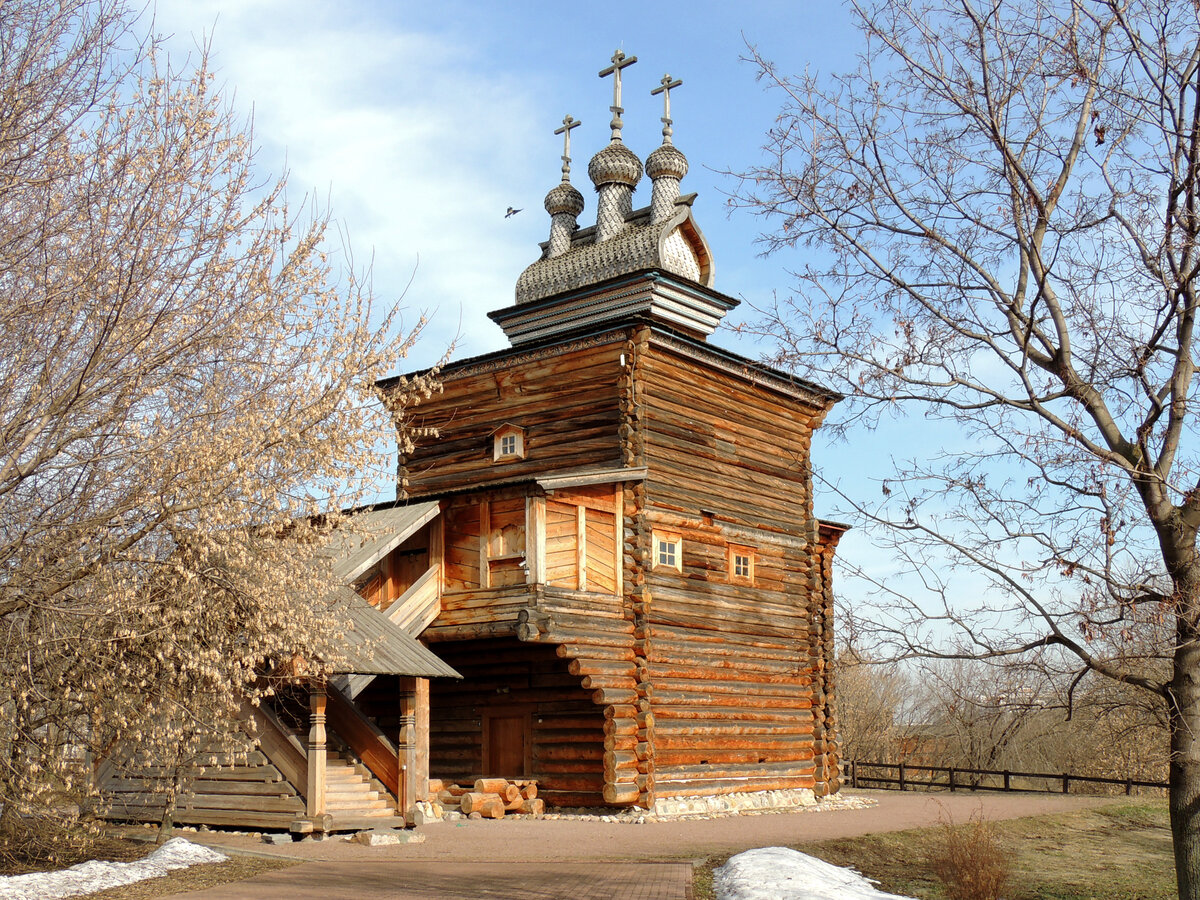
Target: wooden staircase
<point x="354" y="798"/>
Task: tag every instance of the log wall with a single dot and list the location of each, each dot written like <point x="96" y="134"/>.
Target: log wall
<point x="689" y="680"/>
<point x="564" y="398"/>
<point x="568" y="729"/>
<point x="729" y="669"/>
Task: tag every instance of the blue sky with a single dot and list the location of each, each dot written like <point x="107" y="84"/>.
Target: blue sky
<point x="418" y="124"/>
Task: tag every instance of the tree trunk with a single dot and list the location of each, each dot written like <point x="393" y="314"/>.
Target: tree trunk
<point x="1184" y="780"/>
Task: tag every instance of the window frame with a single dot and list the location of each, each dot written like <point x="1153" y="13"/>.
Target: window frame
<point x="498" y="438"/>
<point x="673" y="539"/>
<point x="748" y="553"/>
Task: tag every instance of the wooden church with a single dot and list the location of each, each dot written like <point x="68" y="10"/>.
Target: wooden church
<point x="608" y="534"/>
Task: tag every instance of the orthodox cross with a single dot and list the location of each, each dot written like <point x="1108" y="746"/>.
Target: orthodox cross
<point x="565" y="131"/>
<point x="664" y="88"/>
<point x="619" y="61"/>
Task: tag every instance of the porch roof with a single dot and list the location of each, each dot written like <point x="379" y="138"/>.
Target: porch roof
<point x="376" y="646"/>
<point x="373" y="535"/>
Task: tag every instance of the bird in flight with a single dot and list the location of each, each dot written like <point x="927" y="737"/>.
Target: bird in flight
<point x="512" y="212"/>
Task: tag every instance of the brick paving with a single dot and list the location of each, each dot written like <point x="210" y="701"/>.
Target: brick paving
<point x="450" y="881"/>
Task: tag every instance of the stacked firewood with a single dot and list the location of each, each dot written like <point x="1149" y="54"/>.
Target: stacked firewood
<point x="490" y="797"/>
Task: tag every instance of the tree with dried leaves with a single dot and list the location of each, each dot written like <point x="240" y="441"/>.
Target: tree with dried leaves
<point x="185" y="384"/>
<point x="1000" y="205"/>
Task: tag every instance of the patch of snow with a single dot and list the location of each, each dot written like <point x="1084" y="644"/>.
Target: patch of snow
<point x="91" y="876"/>
<point x="777" y="873"/>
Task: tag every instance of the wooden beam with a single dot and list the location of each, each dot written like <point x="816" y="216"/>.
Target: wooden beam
<point x="581" y="545"/>
<point x="437" y="551"/>
<point x="485" y="543"/>
<point x="535" y="539"/>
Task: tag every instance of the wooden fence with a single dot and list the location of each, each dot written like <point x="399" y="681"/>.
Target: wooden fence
<point x="912" y="777"/>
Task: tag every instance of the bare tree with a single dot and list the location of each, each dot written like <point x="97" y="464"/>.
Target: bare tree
<point x="878" y="708"/>
<point x="185" y="383"/>
<point x="1000" y="210"/>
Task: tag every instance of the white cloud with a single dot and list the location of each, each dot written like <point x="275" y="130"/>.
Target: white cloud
<point x="416" y="149"/>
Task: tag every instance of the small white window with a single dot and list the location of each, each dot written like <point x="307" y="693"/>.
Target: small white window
<point x="508" y="442"/>
<point x="668" y="551"/>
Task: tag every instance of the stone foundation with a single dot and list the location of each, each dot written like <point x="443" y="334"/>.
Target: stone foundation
<point x="727" y="804"/>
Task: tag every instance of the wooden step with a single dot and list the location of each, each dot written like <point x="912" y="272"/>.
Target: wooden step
<point x="358" y="807"/>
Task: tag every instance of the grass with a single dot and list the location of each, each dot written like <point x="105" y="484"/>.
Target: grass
<point x="1120" y="852"/>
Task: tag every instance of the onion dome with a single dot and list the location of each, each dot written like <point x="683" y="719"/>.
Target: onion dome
<point x="615" y="164"/>
<point x="666" y="160"/>
<point x="563" y="198"/>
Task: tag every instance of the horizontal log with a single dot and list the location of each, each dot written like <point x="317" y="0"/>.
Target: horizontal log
<point x="674" y="639"/>
<point x="473" y="801"/>
<point x="672" y="729"/>
<point x="621" y="794"/>
<point x="788" y="769"/>
<point x="608" y="696"/>
<point x="680" y="756"/>
<point x="620" y="711"/>
<point x="589" y="750"/>
<point x="733" y="714"/>
<point x="591" y="682"/>
<point x="595" y="652"/>
<point x="620" y="742"/>
<point x="609" y="668"/>
<point x="533" y="806"/>
<point x="674" y="788"/>
<point x="800" y="687"/>
<point x="559" y="799"/>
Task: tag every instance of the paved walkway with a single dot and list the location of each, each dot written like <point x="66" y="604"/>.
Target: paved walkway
<point x="441" y="881"/>
<point x="567" y="858"/>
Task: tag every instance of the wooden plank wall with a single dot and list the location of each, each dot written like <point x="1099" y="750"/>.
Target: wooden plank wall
<point x="567" y="727"/>
<point x="565" y="398"/>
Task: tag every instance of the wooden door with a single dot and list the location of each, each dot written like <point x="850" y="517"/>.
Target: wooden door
<point x="507" y="743"/>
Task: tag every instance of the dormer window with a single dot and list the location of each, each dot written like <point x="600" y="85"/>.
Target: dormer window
<point x="508" y="442"/>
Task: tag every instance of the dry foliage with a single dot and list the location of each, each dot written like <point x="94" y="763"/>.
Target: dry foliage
<point x="186" y="383"/>
<point x="973" y="863"/>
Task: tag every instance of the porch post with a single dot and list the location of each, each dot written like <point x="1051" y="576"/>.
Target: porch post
<point x="413" y="746"/>
<point x="316" y="750"/>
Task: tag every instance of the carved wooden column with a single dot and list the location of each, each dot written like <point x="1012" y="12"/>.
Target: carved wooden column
<point x="413" y="746"/>
<point x="316" y="750"/>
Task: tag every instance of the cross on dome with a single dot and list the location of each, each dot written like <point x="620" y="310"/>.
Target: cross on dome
<point x="664" y="88"/>
<point x="619" y="62"/>
<point x="568" y="123"/>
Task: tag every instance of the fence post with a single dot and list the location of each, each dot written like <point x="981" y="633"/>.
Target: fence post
<point x="952" y="779"/>
<point x="901" y="776"/>
<point x="1066" y="783"/>
<point x="1128" y="786"/>
<point x="854" y="774"/>
<point x="1007" y="780"/>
